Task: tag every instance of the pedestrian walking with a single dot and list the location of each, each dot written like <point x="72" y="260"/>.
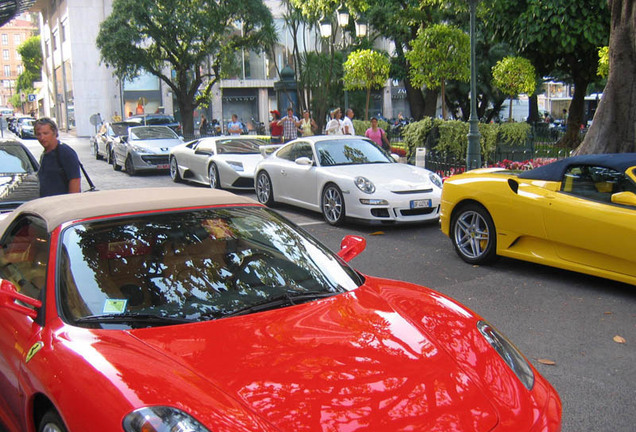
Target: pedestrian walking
<point x="307" y="125"/>
<point x="59" y="171"/>
<point x="275" y="130"/>
<point x="377" y="135"/>
<point x="334" y="127"/>
<point x="290" y="125"/>
<point x="203" y="126"/>
<point x="347" y="123"/>
<point x="234" y="127"/>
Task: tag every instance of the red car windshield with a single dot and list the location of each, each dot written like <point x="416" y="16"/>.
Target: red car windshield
<point x="167" y="268"/>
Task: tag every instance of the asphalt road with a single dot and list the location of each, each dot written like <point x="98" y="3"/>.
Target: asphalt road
<point x="550" y="314"/>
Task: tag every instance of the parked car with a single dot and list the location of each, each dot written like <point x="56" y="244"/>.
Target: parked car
<point x="144" y="148"/>
<point x="577" y="214"/>
<point x="25" y="128"/>
<point x="18" y="175"/>
<point x="344" y="176"/>
<point x="103" y="141"/>
<point x="198" y="310"/>
<point x="17" y="128"/>
<point x="220" y="162"/>
<point x="157" y="120"/>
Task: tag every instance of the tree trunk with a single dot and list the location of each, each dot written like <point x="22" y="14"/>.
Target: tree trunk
<point x="366" y="107"/>
<point x="510" y="119"/>
<point x="614" y="127"/>
<point x="533" y="110"/>
<point x="187" y="116"/>
<point x="416" y="100"/>
<point x="443" y="99"/>
<point x="430" y="103"/>
<point x="572" y="137"/>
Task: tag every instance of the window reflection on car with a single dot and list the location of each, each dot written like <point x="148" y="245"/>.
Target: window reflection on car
<point x="192" y="266"/>
<point x="152" y="132"/>
<point x="350" y="152"/>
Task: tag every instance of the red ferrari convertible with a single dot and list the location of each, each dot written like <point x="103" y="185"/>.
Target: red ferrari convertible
<point x="197" y="310"/>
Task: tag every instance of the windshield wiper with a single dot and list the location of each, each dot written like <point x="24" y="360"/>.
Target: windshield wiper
<point x="132" y="318"/>
<point x="280" y="301"/>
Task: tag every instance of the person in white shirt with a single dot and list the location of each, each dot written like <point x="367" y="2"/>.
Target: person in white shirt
<point x="334" y="127"/>
<point x="347" y="123"/>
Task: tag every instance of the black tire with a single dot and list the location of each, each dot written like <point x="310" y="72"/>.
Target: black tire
<point x="174" y="170"/>
<point x="129" y="167"/>
<point x="51" y="422"/>
<point x="473" y="234"/>
<point x="213" y="176"/>
<point x="114" y="161"/>
<point x="332" y="205"/>
<point x="97" y="155"/>
<point x="264" y="189"/>
<point x="109" y="155"/>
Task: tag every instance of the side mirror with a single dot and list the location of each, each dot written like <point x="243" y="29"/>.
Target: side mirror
<point x="304" y="161"/>
<point x="624" y="198"/>
<point x="8" y="296"/>
<point x="395" y="156"/>
<point x="351" y="246"/>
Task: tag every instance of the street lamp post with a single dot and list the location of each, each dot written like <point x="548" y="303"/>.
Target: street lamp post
<point x="473" y="153"/>
<point x="361" y="27"/>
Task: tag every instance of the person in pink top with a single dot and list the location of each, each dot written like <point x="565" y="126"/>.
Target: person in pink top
<point x="377" y="135"/>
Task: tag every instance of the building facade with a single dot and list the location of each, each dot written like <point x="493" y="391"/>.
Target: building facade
<point x="12" y="35"/>
<point x="76" y="86"/>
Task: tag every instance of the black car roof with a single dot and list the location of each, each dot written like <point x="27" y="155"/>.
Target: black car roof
<point x="556" y="170"/>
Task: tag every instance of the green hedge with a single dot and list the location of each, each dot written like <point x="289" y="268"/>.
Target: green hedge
<point x="451" y="136"/>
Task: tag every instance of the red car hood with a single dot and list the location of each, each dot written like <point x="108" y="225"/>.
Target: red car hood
<point x="348" y="362"/>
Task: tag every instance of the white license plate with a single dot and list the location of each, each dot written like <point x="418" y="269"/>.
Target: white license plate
<point x="423" y="203"/>
<point x="164" y="166"/>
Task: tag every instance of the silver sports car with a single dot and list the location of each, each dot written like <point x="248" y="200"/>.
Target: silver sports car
<point x="220" y="162"/>
<point x="144" y="148"/>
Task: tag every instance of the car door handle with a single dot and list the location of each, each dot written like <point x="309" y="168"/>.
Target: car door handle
<point x="283" y="172"/>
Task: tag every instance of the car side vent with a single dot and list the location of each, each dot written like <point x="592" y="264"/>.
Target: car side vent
<point x="513" y="185"/>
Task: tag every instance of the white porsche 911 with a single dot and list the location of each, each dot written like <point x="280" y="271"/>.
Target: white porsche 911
<point x="220" y="162"/>
<point x="347" y="177"/>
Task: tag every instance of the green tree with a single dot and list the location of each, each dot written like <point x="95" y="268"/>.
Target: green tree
<point x="513" y="76"/>
<point x="366" y="69"/>
<point x="603" y="62"/>
<point x="613" y="130"/>
<point x="439" y="53"/>
<point x="182" y="35"/>
<point x="31" y="54"/>
<point x="560" y="38"/>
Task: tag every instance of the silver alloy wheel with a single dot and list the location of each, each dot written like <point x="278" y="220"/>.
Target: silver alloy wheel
<point x="174" y="169"/>
<point x="263" y="188"/>
<point x="333" y="205"/>
<point x="472" y="235"/>
<point x="213" y="176"/>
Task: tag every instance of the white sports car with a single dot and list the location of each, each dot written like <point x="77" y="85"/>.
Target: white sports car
<point x="347" y="176"/>
<point x="220" y="162"/>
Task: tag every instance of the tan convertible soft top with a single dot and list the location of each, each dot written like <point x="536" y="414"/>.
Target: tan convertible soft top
<point x="58" y="209"/>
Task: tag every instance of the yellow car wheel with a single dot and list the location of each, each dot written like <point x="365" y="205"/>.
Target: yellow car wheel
<point x="473" y="234"/>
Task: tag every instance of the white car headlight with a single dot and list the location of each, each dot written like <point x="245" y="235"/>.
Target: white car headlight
<point x="435" y="179"/>
<point x="510" y="354"/>
<point x="161" y="419"/>
<point x="138" y="148"/>
<point x="236" y="166"/>
<point x="364" y="184"/>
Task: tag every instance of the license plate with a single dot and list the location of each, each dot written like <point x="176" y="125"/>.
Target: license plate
<point x="164" y="166"/>
<point x="423" y="203"/>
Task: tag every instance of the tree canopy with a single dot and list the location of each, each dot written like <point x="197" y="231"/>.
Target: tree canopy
<point x="175" y="39"/>
<point x="366" y="69"/>
<point x="560" y="38"/>
<point x="513" y="76"/>
<point x="439" y="53"/>
<point x="31" y="54"/>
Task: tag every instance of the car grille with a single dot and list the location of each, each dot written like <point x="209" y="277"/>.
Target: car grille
<point x="409" y="192"/>
<point x="155" y="159"/>
<point x="419" y="211"/>
<point x="244" y="182"/>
